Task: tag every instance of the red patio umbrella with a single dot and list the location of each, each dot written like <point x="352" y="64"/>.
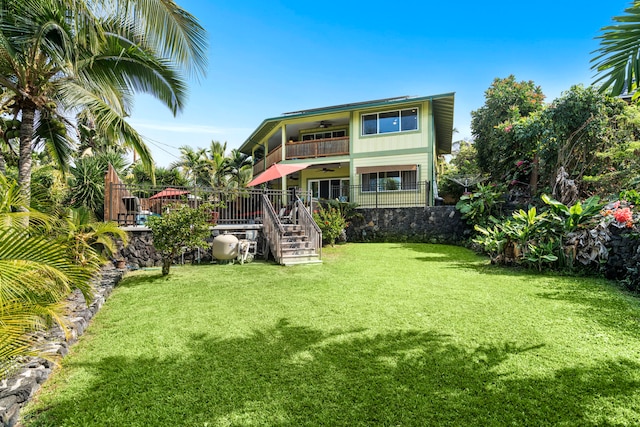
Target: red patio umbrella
<point x="168" y="193"/>
<point x="276" y="171"/>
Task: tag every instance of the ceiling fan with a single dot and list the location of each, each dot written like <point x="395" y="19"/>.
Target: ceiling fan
<point x="324" y="124"/>
<point x="327" y="170"/>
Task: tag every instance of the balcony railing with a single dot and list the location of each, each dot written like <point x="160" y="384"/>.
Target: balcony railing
<point x="317" y="148"/>
<point x="305" y="150"/>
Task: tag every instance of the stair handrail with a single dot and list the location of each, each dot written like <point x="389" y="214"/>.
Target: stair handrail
<point x="306" y="221"/>
<point x="272" y="228"/>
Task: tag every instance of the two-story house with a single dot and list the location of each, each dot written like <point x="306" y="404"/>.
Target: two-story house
<point x="360" y="151"/>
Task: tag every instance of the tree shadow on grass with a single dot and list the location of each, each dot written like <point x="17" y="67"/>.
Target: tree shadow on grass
<point x="297" y="376"/>
<point x="602" y="302"/>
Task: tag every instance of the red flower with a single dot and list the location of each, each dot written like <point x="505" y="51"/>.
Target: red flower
<point x="623" y="215"/>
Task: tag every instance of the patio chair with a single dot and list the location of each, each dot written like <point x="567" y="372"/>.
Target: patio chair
<point x="132" y="208"/>
<point x="287" y="216"/>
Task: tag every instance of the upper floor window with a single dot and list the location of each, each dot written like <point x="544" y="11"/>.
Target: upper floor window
<point x="390" y="121"/>
<point x="324" y="135"/>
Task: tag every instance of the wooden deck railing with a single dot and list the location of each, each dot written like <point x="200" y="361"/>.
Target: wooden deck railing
<point x="318" y="148"/>
<point x="272" y="229"/>
<point x="308" y="224"/>
<point x="274" y="156"/>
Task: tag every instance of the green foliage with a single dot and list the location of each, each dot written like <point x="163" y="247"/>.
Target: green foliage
<point x="87" y="185"/>
<point x="527" y="238"/>
<point x="163" y="176"/>
<point x="617" y="58"/>
<point x="477" y="207"/>
<point x="463" y="165"/>
<point x="49" y="189"/>
<point x="574" y="216"/>
<point x="631" y="196"/>
<point x="182" y="226"/>
<point x="37" y="273"/>
<point x="506" y="101"/>
<point x="347" y="209"/>
<point x="331" y="222"/>
<point x="582" y="122"/>
<point x="90" y="241"/>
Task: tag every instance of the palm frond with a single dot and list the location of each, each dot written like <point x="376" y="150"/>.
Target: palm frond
<point x="617" y="60"/>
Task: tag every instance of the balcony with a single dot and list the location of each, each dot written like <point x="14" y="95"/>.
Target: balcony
<point x="305" y="150"/>
<point x="318" y="148"/>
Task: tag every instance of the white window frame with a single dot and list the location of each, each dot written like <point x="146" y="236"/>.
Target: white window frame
<point x="378" y="113"/>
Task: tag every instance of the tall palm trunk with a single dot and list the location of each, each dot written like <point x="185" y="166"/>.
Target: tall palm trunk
<point x="24" y="161"/>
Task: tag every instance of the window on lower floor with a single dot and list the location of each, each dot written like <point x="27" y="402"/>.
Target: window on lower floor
<point x="389" y="181"/>
<point x="337" y="188"/>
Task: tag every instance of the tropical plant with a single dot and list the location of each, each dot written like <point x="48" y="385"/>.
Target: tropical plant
<point x="163" y="176"/>
<point x="527" y="238"/>
<point x="193" y="164"/>
<point x="61" y="56"/>
<point x="617" y="60"/>
<point x="90" y="241"/>
<point x="36" y="274"/>
<point x="477" y="207"/>
<point x="331" y="222"/>
<point x="238" y="167"/>
<point x="576" y="215"/>
<point x="182" y="226"/>
<point x="87" y="185"/>
<point x="506" y="100"/>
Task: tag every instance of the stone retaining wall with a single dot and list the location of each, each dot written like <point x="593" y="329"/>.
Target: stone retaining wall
<point x="624" y="258"/>
<point x="433" y="224"/>
<point x="16" y="391"/>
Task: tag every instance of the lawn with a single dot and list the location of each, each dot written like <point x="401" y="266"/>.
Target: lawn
<point x="379" y="335"/>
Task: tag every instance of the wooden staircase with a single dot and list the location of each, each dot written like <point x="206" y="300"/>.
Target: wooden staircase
<point x="292" y="244"/>
<point x="296" y="247"/>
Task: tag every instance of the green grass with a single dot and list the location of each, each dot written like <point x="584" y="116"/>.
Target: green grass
<point x="380" y="334"/>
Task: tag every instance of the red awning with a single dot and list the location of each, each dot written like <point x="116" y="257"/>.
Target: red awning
<point x="169" y="193"/>
<point x="276" y="171"/>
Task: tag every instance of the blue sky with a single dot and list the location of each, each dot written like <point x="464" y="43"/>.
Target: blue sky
<point x="270" y="57"/>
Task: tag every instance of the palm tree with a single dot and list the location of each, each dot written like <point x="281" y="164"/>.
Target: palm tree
<point x="192" y="164"/>
<point x="238" y="168"/>
<point x="217" y="164"/>
<point x="36" y="275"/>
<point x="91" y="241"/>
<point x="617" y="60"/>
<point x="58" y="56"/>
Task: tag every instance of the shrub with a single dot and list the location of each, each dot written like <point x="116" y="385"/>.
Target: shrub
<point x="331" y="222"/>
<point x="477" y="207"/>
<point x="182" y="226"/>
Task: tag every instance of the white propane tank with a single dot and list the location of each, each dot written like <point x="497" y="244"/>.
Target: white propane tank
<point x="225" y="246"/>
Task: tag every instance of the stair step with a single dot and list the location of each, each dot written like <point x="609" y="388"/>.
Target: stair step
<point x="297" y="244"/>
<point x="298" y="251"/>
<point x="290" y="260"/>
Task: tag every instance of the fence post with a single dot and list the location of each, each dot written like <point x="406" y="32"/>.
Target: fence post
<point x="427" y="189"/>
